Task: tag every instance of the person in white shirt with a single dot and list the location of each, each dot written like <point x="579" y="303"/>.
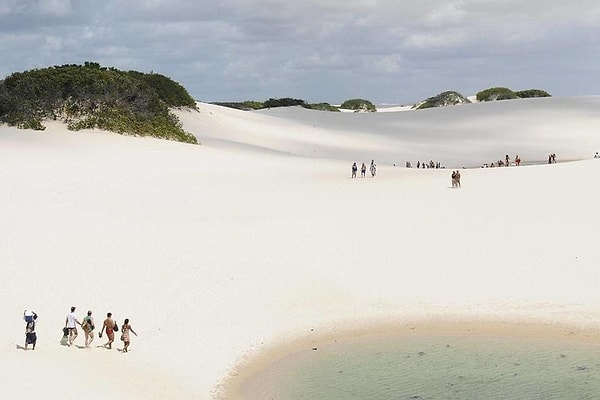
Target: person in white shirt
<point x="71" y="324"/>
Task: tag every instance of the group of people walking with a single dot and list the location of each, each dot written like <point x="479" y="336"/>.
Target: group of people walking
<point x="363" y="169"/>
<point x="88" y="325"/>
<point x="109" y="326"/>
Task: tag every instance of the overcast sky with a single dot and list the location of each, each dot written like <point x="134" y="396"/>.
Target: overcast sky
<point x="387" y="51"/>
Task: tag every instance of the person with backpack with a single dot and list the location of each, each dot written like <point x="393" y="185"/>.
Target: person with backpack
<point x="30" y="335"/>
<point x="88" y="328"/>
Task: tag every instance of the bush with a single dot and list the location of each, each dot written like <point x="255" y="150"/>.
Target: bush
<point x="496" y="93"/>
<point x="358" y="105"/>
<point x="449" y="98"/>
<point x="524" y="94"/>
<point x="284" y="102"/>
<point x="91" y="96"/>
<point x="322" y="107"/>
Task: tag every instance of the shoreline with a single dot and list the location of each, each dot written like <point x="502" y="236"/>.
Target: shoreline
<point x="250" y="370"/>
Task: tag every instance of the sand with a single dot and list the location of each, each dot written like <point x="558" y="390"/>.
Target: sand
<point x="258" y="237"/>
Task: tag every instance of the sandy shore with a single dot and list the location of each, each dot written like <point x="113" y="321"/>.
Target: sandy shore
<point x="220" y="252"/>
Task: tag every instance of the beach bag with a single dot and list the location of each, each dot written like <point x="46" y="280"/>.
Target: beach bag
<point x="116" y="328"/>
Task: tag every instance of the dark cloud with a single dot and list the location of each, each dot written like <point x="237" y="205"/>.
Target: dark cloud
<point x="326" y="50"/>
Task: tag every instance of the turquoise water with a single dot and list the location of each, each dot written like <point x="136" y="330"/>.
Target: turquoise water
<point x="445" y="367"/>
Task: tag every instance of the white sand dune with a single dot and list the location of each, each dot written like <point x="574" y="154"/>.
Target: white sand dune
<point x="257" y="236"/>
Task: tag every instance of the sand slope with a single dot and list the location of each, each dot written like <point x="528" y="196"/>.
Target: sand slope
<point x="217" y="251"/>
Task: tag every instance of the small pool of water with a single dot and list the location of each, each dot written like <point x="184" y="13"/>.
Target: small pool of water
<point x="434" y="367"/>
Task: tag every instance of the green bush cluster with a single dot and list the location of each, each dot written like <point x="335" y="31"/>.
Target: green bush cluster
<point x="525" y="94"/>
<point x="358" y="105"/>
<point x="502" y="93"/>
<point x="273" y="103"/>
<point x="443" y="99"/>
<point x="496" y="93"/>
<point x="91" y="96"/>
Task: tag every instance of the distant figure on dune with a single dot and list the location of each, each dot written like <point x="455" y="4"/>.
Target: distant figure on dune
<point x="517" y="160"/>
<point x="125" y="329"/>
<point x="30" y="335"/>
<point x="363" y="170"/>
<point x="596" y="155"/>
<point x="455" y="179"/>
<point x="111" y="327"/>
<point x="70" y="324"/>
<point x="354" y="169"/>
<point x="373" y="168"/>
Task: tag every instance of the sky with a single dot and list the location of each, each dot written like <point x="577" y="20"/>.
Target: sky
<point x="386" y="51"/>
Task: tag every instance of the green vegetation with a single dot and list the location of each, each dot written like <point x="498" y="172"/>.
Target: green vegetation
<point x="322" y="107"/>
<point x="273" y="103"/>
<point x="525" y="94"/>
<point x="449" y="98"/>
<point x="358" y="105"/>
<point x="284" y="102"/>
<point x="496" y="93"/>
<point x="502" y="93"/>
<point x="91" y="96"/>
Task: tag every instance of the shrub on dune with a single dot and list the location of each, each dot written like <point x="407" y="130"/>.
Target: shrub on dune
<point x="358" y="105"/>
<point x="91" y="96"/>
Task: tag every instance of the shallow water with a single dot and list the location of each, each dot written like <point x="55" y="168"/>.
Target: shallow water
<point x="442" y="367"/>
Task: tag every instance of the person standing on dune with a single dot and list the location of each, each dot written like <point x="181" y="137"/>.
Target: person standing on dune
<point x="88" y="328"/>
<point x="125" y="329"/>
<point x="111" y="327"/>
<point x="70" y="324"/>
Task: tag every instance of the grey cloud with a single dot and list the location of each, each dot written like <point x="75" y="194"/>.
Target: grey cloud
<point x="387" y="50"/>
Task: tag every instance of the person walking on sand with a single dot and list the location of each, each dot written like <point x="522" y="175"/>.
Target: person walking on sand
<point x="354" y="169"/>
<point x="125" y="329"/>
<point x="458" y="178"/>
<point x="373" y="168"/>
<point x="30" y="335"/>
<point x="453" y="179"/>
<point x="111" y="327"/>
<point x="363" y="170"/>
<point x="88" y="328"/>
<point x="70" y="324"/>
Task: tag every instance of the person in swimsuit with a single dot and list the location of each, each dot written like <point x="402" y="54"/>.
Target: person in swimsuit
<point x="88" y="328"/>
<point x="125" y="329"/>
<point x="109" y="325"/>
